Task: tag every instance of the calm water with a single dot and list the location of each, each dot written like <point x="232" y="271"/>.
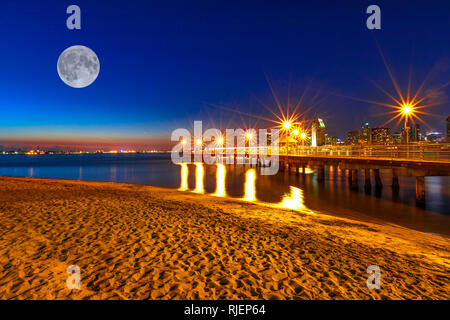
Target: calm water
<point x="333" y="195"/>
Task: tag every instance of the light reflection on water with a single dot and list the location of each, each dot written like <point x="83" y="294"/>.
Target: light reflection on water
<point x="184" y="177"/>
<point x="220" y="181"/>
<point x="199" y="173"/>
<point x="293" y="200"/>
<point x="249" y="187"/>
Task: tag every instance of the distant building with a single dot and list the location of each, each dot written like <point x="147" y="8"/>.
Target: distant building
<point x="317" y="132"/>
<point x="366" y="134"/>
<point x="330" y="139"/>
<point x="353" y="137"/>
<point x="381" y="135"/>
<point x="397" y="137"/>
<point x="433" y="136"/>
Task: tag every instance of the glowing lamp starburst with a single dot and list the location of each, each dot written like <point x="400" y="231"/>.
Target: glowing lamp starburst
<point x="407" y="109"/>
<point x="407" y="105"/>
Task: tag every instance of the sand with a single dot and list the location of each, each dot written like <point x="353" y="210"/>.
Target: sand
<point x="141" y="242"/>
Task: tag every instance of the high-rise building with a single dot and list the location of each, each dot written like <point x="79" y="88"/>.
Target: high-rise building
<point x="317" y="132"/>
<point x="380" y="135"/>
<point x="353" y="137"/>
<point x="366" y="134"/>
<point x="414" y="133"/>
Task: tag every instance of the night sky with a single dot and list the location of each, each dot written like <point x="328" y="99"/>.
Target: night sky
<point x="167" y="63"/>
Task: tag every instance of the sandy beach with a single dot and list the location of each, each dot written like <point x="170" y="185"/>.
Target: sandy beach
<point x="141" y="242"/>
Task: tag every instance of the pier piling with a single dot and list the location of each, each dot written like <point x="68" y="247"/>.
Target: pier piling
<point x="420" y="190"/>
<point x="367" y="182"/>
<point x="354" y="180"/>
<point x="378" y="183"/>
<point x="395" y="184"/>
<point x="321" y="173"/>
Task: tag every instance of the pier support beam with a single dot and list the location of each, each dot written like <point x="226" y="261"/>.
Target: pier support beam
<point x="367" y="182"/>
<point x="378" y="183"/>
<point x="320" y="173"/>
<point x="395" y="184"/>
<point x="354" y="181"/>
<point x="420" y="190"/>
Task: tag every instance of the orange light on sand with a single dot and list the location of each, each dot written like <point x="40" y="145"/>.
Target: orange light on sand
<point x="249" y="187"/>
<point x="220" y="180"/>
<point x="294" y="200"/>
<point x="199" y="173"/>
<point x="184" y="177"/>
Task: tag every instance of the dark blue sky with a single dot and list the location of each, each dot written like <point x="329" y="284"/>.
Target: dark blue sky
<point x="164" y="63"/>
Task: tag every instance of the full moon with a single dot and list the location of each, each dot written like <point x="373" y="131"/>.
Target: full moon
<point x="78" y="66"/>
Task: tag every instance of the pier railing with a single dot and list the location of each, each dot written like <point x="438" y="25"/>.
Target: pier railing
<point x="421" y="152"/>
<point x="435" y="152"/>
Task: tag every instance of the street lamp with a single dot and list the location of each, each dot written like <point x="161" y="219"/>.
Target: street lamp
<point x="295" y="132"/>
<point x="303" y="137"/>
<point x="406" y="110"/>
<point x="219" y="143"/>
<point x="286" y="126"/>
